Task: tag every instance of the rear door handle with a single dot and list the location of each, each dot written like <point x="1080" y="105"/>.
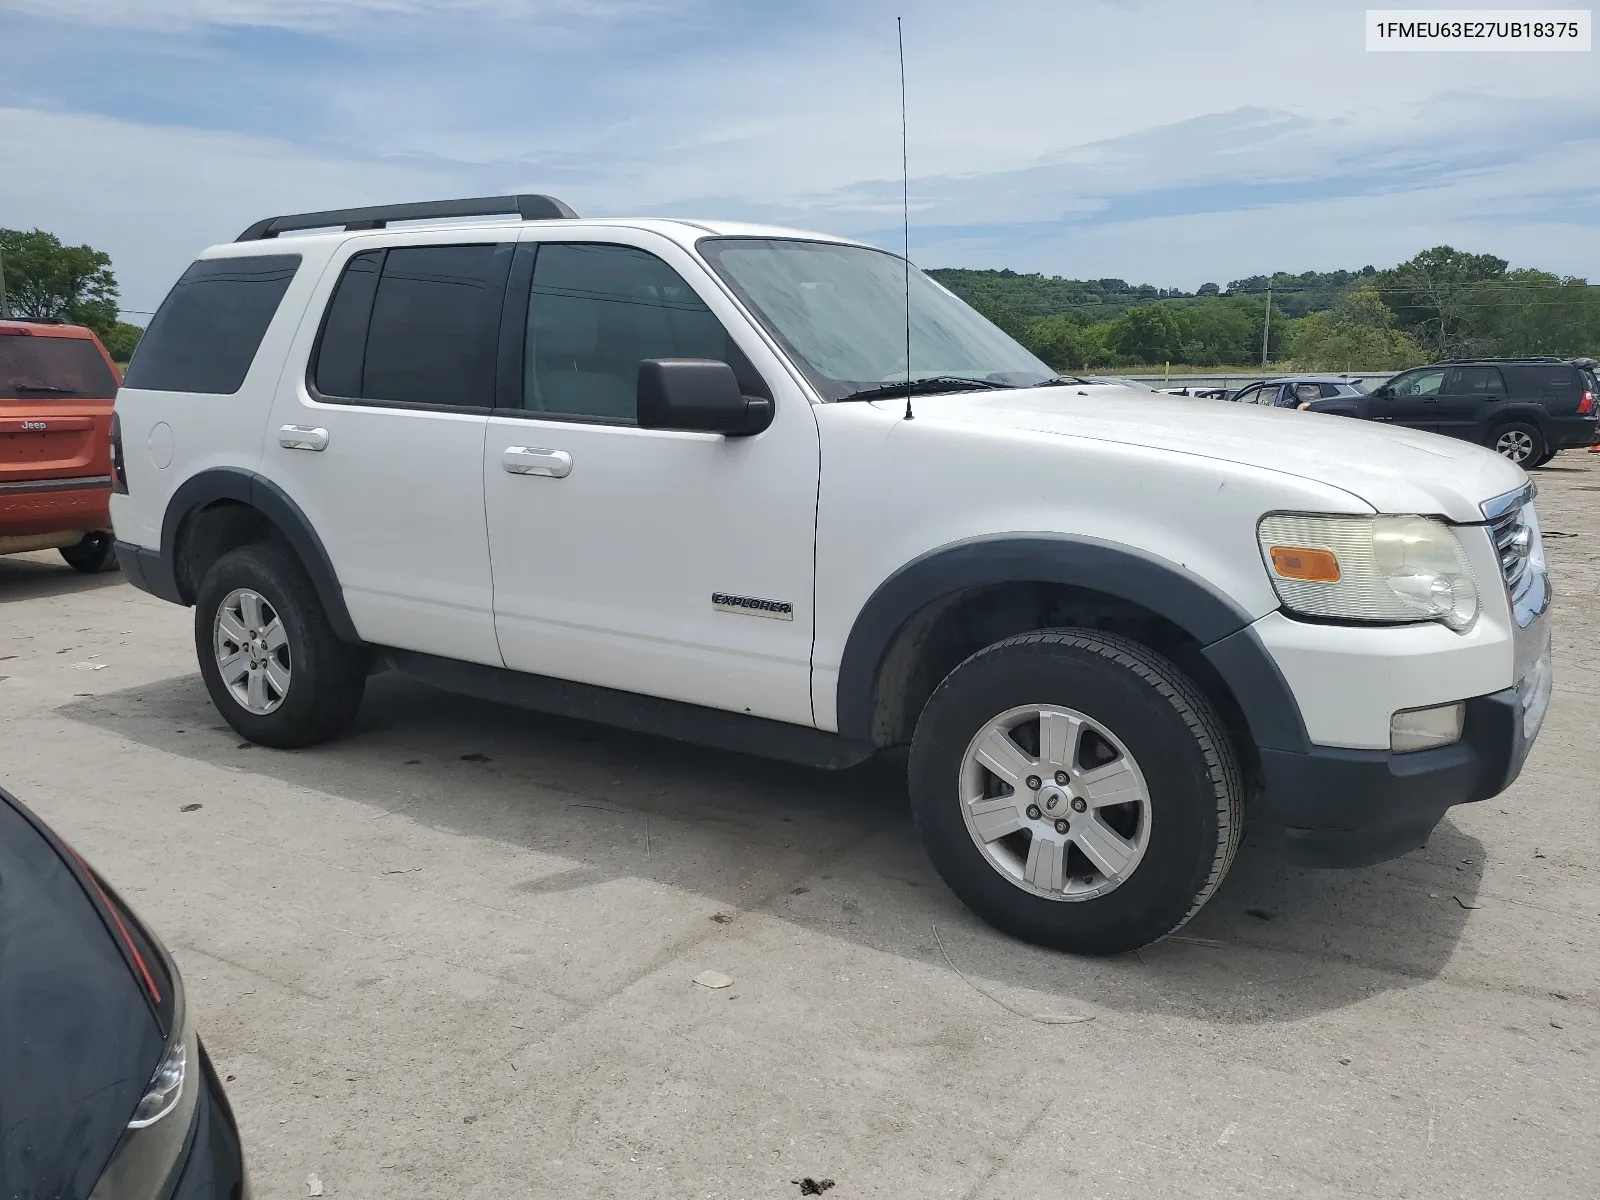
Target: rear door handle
<point x="302" y="437"/>
<point x="530" y="460"/>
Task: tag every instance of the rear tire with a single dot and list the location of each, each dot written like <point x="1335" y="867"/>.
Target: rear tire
<point x="95" y="553"/>
<point x="1143" y="755"/>
<point x="1519" y="442"/>
<point x="274" y="667"/>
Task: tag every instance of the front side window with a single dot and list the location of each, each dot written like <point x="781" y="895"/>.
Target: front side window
<point x="595" y="312"/>
<point x="415" y="325"/>
<point x="1421" y="383"/>
<point x="840" y="312"/>
<point x="206" y="333"/>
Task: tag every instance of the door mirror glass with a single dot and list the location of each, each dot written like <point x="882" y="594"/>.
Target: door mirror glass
<point x="698" y="394"/>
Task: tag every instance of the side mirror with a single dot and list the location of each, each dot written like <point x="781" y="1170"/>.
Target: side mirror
<point x="698" y="394"/>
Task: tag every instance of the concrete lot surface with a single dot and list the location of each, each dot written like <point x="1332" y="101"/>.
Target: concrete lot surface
<point x="452" y="954"/>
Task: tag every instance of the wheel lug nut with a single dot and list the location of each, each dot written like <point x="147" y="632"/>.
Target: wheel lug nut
<point x="1062" y="827"/>
<point x="1061" y="776"/>
<point x="1033" y="812"/>
<point x="1034" y="783"/>
<point x="1079" y="804"/>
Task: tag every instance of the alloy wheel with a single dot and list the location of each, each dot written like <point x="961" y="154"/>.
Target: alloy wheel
<point x="1055" y="802"/>
<point x="252" y="651"/>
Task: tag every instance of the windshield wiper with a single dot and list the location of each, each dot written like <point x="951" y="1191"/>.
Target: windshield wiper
<point x="923" y="387"/>
<point x="1063" y="381"/>
<point x="42" y="387"/>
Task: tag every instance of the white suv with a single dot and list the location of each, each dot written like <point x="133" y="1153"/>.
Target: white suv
<point x="666" y="474"/>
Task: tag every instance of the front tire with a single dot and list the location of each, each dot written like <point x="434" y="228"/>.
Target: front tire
<point x="1077" y="790"/>
<point x="95" y="553"/>
<point x="274" y="667"/>
<point x="1520" y="442"/>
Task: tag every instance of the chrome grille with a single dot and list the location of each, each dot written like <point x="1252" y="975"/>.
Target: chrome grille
<point x="1513" y="541"/>
<point x="1514" y="526"/>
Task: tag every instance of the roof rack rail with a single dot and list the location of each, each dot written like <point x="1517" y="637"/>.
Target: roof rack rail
<point x="34" y="320"/>
<point x="529" y="208"/>
<point x="1490" y="358"/>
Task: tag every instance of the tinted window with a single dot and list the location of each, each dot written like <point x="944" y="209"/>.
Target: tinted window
<point x="1558" y="377"/>
<point x="77" y="1039"/>
<point x="435" y="325"/>
<point x="343" y="347"/>
<point x="1327" y="391"/>
<point x="44" y="368"/>
<point x="596" y="312"/>
<point x="1475" y="381"/>
<point x="1249" y="395"/>
<point x="208" y="329"/>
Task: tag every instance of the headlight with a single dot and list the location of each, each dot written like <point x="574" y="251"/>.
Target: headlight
<point x="1383" y="570"/>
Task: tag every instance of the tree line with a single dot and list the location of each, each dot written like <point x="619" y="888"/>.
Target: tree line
<point x="46" y="278"/>
<point x="1443" y="303"/>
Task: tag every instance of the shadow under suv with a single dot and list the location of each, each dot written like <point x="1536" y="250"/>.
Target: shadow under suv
<point x="1526" y="409"/>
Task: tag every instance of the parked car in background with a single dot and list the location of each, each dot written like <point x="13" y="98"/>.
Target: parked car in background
<point x="57" y="385"/>
<point x="105" y="1087"/>
<point x="1526" y="409"/>
<point x="1291" y="391"/>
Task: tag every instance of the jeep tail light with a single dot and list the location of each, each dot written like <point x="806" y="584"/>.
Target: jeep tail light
<point x="1586" y="405"/>
<point x="119" y="469"/>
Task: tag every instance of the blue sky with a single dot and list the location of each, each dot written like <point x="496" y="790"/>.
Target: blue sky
<point x="1160" y="141"/>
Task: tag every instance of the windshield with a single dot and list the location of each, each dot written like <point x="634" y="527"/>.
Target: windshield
<point x="840" y="311"/>
<point x="38" y="367"/>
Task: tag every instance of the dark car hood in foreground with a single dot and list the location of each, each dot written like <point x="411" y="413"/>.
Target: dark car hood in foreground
<point x="78" y="1039"/>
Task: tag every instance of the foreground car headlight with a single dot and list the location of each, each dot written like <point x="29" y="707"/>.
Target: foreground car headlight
<point x="1383" y="570"/>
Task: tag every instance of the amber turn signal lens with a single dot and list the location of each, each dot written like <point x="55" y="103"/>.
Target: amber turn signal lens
<point x="1300" y="562"/>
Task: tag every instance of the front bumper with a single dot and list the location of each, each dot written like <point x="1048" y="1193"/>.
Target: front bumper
<point x="1353" y="808"/>
<point x="214" y="1169"/>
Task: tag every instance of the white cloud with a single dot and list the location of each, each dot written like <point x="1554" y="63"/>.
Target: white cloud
<point x="1111" y="139"/>
<point x="319" y="16"/>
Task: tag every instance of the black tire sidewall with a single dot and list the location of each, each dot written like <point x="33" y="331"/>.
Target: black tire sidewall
<point x="1185" y="827"/>
<point x="95" y="553"/>
<point x="317" y="663"/>
<point x="1540" y="448"/>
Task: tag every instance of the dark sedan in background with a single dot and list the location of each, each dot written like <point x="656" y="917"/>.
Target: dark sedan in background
<point x="105" y="1090"/>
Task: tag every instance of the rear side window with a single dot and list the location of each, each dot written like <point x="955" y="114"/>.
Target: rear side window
<point x="50" y="368"/>
<point x="415" y="325"/>
<point x="207" y="331"/>
<point x="1475" y="381"/>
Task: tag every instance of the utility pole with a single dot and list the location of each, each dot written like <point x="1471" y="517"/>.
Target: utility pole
<point x="1266" y="328"/>
<point x="4" y="310"/>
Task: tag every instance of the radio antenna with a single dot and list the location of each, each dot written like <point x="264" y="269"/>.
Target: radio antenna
<point x="905" y="204"/>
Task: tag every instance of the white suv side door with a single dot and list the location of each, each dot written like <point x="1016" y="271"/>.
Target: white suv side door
<point x="377" y="434"/>
<point x="671" y="564"/>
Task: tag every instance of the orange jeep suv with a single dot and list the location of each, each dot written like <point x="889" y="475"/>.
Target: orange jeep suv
<point x="57" y="385"/>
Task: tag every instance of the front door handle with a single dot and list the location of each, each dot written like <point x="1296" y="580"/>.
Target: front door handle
<point x="302" y="437"/>
<point x="530" y="460"/>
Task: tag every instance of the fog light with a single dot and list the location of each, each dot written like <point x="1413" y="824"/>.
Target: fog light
<point x="1425" y="728"/>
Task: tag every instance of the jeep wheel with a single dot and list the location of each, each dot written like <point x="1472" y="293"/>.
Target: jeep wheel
<point x="95" y="553"/>
<point x="1522" y="443"/>
<point x="1542" y="459"/>
<point x="1076" y="790"/>
<point x="274" y="668"/>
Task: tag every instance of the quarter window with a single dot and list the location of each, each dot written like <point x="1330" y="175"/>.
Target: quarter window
<point x="595" y="313"/>
<point x="208" y="329"/>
